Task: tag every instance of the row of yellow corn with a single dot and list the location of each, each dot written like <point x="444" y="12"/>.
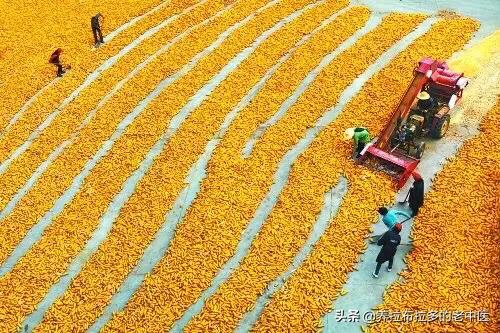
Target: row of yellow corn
<point x="69" y="231"/>
<point x="286" y="229"/>
<point x="232" y="191"/>
<point x="72" y="116"/>
<point x="454" y="265"/>
<point x="61" y="172"/>
<point x="299" y="305"/>
<point x="32" y="30"/>
<point x="213" y="226"/>
<point x="129" y="231"/>
<point x="31" y="40"/>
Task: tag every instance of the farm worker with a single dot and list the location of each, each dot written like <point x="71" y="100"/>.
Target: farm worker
<point x="425" y="101"/>
<point x="416" y="194"/>
<point x="55" y="59"/>
<point x="96" y="24"/>
<point x="360" y="137"/>
<point x="390" y="217"/>
<point x="389" y="242"/>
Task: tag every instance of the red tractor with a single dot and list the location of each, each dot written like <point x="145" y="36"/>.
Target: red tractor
<point x="400" y="146"/>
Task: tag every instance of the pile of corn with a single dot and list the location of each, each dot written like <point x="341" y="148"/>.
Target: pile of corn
<point x="290" y="222"/>
<point x="62" y="171"/>
<point x="454" y="265"/>
<point x="471" y="60"/>
<point x="234" y="186"/>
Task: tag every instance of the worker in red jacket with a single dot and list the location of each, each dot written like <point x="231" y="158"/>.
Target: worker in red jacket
<point x="389" y="242"/>
<point x="55" y="59"/>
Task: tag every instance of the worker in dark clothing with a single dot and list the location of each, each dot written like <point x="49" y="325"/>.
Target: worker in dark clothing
<point x="360" y="137"/>
<point x="389" y="242"/>
<point x="96" y="24"/>
<point x="416" y="194"/>
<point x="55" y="59"/>
<point x="425" y="101"/>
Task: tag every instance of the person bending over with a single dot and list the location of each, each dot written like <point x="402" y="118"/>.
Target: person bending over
<point x="360" y="138"/>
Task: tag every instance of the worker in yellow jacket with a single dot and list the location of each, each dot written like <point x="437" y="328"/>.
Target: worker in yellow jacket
<point x="360" y="138"/>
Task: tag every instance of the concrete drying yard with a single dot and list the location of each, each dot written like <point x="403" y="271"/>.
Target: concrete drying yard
<point x="190" y="172"/>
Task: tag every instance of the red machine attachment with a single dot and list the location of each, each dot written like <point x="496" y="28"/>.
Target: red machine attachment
<point x="399" y="147"/>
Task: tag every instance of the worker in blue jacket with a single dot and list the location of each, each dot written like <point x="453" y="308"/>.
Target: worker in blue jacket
<point x="390" y="217"/>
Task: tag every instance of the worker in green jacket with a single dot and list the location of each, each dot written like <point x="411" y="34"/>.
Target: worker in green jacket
<point x="360" y="137"/>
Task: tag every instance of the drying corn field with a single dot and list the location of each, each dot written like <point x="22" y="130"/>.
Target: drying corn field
<point x="189" y="171"/>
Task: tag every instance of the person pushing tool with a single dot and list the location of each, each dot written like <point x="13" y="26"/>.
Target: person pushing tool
<point x="390" y="219"/>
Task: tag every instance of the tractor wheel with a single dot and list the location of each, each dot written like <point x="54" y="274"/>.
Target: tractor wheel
<point x="419" y="150"/>
<point x="441" y="127"/>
